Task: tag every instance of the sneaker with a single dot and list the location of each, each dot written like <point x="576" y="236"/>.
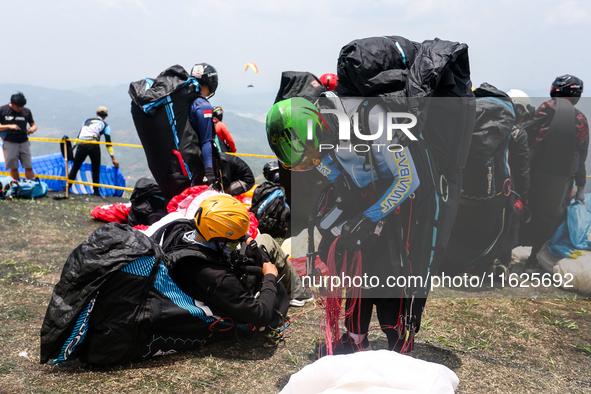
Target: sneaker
<point x="303" y="299"/>
<point x="346" y="345"/>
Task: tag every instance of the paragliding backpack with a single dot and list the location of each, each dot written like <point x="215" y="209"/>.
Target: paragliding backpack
<point x="160" y="109"/>
<point x="148" y="203"/>
<point x="299" y="84"/>
<point x="487" y="173"/>
<point x="387" y="67"/>
<point x="26" y="189"/>
<point x="432" y="80"/>
<point x="486" y="220"/>
<point x="117" y="302"/>
<point x="270" y="209"/>
<point x="551" y="170"/>
<point x="67" y="151"/>
<point x="223" y="147"/>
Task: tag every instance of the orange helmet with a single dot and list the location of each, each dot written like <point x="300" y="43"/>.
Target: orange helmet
<point x="222" y="218"/>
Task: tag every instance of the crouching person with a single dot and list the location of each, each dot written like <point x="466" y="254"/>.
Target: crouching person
<point x="124" y="296"/>
<point x="225" y="282"/>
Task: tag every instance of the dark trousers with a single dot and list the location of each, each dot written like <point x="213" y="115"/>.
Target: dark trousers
<point x="87" y="150"/>
<point x="388" y="311"/>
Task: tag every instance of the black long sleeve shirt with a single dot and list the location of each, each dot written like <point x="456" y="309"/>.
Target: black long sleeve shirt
<point x="208" y="277"/>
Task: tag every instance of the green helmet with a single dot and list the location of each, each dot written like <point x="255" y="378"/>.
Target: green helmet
<point x="288" y="124"/>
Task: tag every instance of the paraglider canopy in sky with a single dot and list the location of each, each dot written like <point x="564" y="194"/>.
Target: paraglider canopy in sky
<point x="250" y="76"/>
<point x="252" y="66"/>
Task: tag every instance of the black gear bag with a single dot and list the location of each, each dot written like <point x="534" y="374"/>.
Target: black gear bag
<point x="270" y="209"/>
<point x="148" y="204"/>
<point x="116" y="302"/>
<point x="160" y="110"/>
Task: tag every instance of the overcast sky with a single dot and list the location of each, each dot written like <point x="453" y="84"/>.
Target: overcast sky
<point x="68" y="44"/>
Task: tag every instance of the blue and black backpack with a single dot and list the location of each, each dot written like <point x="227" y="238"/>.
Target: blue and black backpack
<point x="116" y="302"/>
<point x="271" y="209"/>
<point x="27" y="188"/>
<point x="160" y="109"/>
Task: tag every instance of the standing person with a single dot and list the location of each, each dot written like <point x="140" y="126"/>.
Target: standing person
<point x="225" y="138"/>
<point x="559" y="141"/>
<point x="13" y="130"/>
<point x="487" y="221"/>
<point x="91" y="130"/>
<point x="519" y="161"/>
<point x="201" y="118"/>
<point x="396" y="173"/>
<point x="359" y="211"/>
<point x="518" y="146"/>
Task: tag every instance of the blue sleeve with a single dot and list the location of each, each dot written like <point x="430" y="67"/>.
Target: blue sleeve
<point x="201" y="118"/>
<point x="328" y="168"/>
<point x="405" y="183"/>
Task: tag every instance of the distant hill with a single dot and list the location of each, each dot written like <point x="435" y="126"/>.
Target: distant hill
<point x="62" y="112"/>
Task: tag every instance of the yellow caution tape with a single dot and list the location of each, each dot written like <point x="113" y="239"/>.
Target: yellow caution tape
<point x="61" y="141"/>
<point x="132" y="145"/>
<point x="99" y="185"/>
<point x="251" y="155"/>
<point x="85" y="142"/>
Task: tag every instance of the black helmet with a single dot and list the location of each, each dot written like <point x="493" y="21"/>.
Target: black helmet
<point x="567" y="86"/>
<point x="271" y="171"/>
<point x="218" y="113"/>
<point x="207" y="75"/>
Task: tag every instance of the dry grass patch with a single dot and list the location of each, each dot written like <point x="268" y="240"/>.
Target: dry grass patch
<point x="494" y="345"/>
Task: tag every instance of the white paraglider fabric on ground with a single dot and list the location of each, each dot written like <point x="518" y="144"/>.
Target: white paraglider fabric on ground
<point x="575" y="272"/>
<point x="187" y="211"/>
<point x="372" y="372"/>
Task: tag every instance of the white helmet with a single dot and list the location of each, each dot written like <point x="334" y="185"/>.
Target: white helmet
<point x="519" y="97"/>
<point x="524" y="110"/>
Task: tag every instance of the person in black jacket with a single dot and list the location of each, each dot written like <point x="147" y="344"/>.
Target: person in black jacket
<point x="519" y="162"/>
<point x="559" y="142"/>
<point x="210" y="276"/>
<point x="518" y="144"/>
<point x="237" y="176"/>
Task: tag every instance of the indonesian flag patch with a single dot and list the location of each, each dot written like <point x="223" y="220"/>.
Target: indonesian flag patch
<point x="207" y="113"/>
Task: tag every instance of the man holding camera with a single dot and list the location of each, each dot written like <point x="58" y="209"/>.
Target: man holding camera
<point x="229" y="284"/>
